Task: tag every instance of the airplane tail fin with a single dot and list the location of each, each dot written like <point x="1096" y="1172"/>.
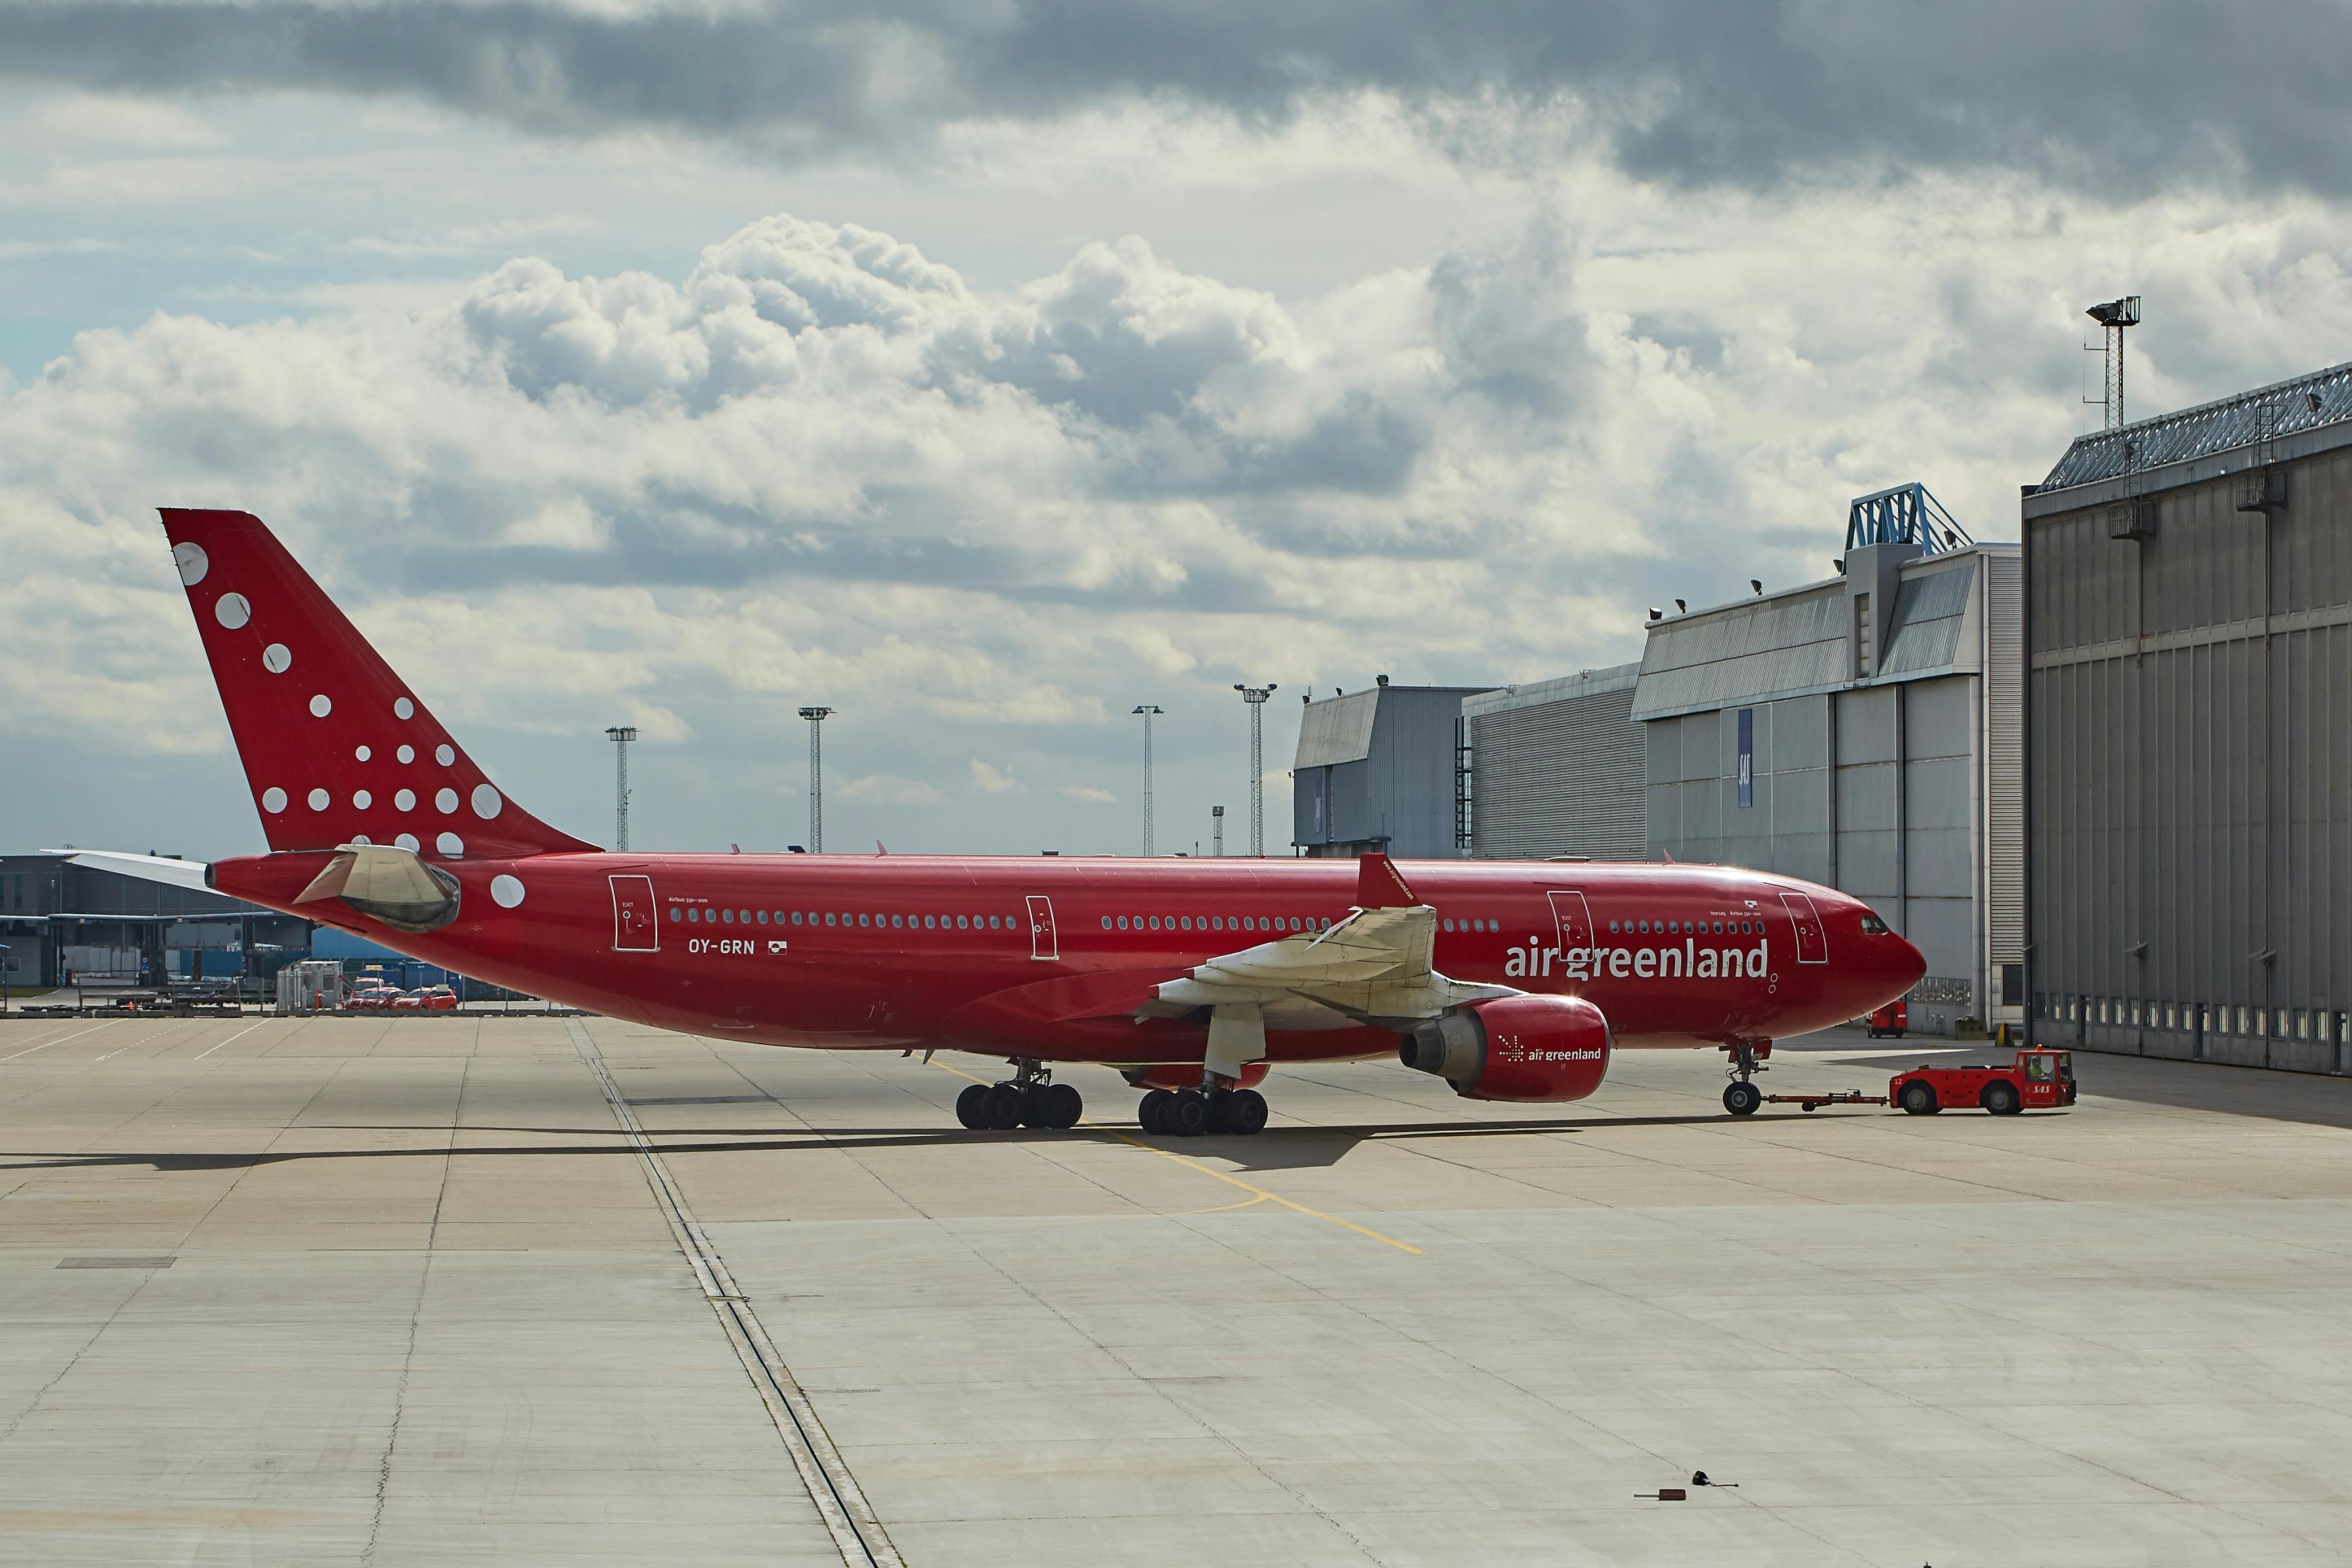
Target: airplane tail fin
<point x="337" y="748"/>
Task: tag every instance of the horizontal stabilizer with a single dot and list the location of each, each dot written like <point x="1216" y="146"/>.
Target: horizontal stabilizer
<point x="147" y="868"/>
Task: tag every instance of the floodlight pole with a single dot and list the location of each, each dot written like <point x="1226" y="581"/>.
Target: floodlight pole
<point x="1147" y="710"/>
<point x="620" y="735"/>
<point x="816" y="718"/>
<point x="1255" y="696"/>
<point x="2115" y="315"/>
<point x="1217" y="831"/>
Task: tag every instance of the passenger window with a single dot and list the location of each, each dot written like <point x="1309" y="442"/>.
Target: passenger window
<point x="674" y="914"/>
<point x="1445" y="925"/>
<point x="1185" y="922"/>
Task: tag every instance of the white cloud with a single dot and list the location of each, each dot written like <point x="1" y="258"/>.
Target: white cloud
<point x="887" y="789"/>
<point x="990" y="780"/>
<point x="821" y="466"/>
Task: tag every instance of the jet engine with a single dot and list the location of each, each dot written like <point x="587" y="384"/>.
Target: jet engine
<point x="1515" y="1048"/>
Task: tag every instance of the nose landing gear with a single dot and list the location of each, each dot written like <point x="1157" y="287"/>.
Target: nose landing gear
<point x="1029" y="1098"/>
<point x="1741" y="1097"/>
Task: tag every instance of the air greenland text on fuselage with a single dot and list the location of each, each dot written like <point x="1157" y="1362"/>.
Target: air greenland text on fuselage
<point x="1689" y="961"/>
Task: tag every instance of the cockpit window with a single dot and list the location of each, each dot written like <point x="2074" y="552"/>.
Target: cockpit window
<point x="1872" y="926"/>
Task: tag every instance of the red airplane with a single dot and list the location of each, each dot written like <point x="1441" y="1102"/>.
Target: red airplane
<point x="1512" y="980"/>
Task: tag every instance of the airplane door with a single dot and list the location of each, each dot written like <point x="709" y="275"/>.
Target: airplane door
<point x="1044" y="941"/>
<point x="635" y="929"/>
<point x="1811" y="946"/>
<point x="1572" y="919"/>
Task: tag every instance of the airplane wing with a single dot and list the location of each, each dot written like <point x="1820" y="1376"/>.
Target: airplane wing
<point x="1372" y="967"/>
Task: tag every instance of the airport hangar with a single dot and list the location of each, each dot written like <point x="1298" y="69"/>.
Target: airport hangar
<point x="2188" y="733"/>
<point x="1859" y="732"/>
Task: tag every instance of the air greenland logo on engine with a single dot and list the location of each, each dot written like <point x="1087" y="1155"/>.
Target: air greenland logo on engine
<point x="1689" y="961"/>
<point x="1587" y="1053"/>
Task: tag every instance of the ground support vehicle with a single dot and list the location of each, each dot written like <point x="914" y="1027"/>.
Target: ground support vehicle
<point x="2036" y="1080"/>
<point x="1893" y="1018"/>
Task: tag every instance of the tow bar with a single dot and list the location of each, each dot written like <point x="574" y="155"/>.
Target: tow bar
<point x="1811" y="1102"/>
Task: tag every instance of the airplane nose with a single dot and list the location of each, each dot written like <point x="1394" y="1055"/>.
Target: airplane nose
<point x="1912" y="965"/>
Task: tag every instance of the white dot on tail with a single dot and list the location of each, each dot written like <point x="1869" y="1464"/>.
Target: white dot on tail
<point x="362" y="839"/>
<point x="445" y="755"/>
<point x="505" y="891"/>
<point x="446" y="802"/>
<point x="362" y="800"/>
<point x="407" y="841"/>
<point x="273" y="799"/>
<point x="278" y="658"/>
<point x="363" y="754"/>
<point x="322" y="705"/>
<point x="405" y="800"/>
<point x="319" y="799"/>
<point x="450" y="845"/>
<point x="192" y="562"/>
<point x="407" y="754"/>
<point x="232" y="611"/>
<point x="402" y="707"/>
<point x="487" y="804"/>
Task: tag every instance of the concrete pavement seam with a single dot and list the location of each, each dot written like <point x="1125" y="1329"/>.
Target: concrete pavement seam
<point x="855" y="1529"/>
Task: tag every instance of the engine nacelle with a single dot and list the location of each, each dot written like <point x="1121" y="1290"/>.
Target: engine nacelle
<point x="1515" y="1048"/>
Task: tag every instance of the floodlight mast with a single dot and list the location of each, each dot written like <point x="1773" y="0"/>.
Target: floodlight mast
<point x="1255" y="696"/>
<point x="816" y="718"/>
<point x="1217" y="831"/>
<point x="620" y="735"/>
<point x="2115" y="315"/>
<point x="1147" y="710"/>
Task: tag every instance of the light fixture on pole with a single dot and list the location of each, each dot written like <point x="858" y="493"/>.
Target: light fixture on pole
<point x="1255" y="696"/>
<point x="1147" y="710"/>
<point x="620" y="735"/>
<point x="1217" y="831"/>
<point x="816" y="718"/>
<point x="2115" y="315"/>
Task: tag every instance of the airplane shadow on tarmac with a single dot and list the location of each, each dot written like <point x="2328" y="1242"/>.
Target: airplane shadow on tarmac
<point x="1276" y="1148"/>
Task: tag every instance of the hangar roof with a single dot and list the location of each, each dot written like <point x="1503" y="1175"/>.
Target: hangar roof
<point x="2283" y="408"/>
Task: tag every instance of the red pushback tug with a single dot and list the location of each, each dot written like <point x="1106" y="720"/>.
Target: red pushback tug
<point x="2037" y="1080"/>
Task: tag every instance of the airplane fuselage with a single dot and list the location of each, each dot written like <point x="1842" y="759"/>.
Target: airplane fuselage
<point x="1037" y="957"/>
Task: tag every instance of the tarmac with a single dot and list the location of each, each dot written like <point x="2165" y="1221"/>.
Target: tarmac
<point x="538" y="1291"/>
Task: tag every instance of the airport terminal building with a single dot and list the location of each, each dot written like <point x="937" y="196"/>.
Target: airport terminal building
<point x="2189" y="741"/>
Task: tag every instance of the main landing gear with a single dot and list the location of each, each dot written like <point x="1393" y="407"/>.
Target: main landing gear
<point x="1189" y="1113"/>
<point x="1741" y="1097"/>
<point x="1029" y="1098"/>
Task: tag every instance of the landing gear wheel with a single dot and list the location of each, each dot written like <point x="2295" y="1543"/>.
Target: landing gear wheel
<point x="2001" y="1099"/>
<point x="968" y="1106"/>
<point x="1187" y="1114"/>
<point x="1002" y="1107"/>
<point x="1033" y="1113"/>
<point x="1153" y="1114"/>
<point x="1742" y="1098"/>
<point x="1063" y="1107"/>
<point x="1243" y="1113"/>
<point x="1919" y="1098"/>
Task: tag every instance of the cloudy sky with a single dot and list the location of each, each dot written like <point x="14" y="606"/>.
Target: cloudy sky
<point x="985" y="370"/>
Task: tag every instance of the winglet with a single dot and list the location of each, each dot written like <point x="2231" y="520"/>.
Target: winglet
<point x="1378" y="885"/>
